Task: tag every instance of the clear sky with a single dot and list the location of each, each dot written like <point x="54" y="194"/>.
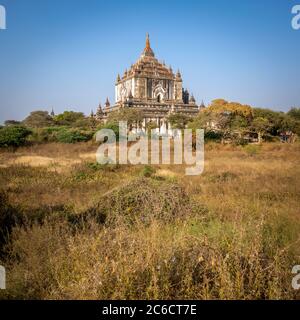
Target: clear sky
<point x="66" y="54"/>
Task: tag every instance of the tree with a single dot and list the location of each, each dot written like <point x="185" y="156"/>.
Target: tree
<point x="85" y="123"/>
<point x="202" y="121"/>
<point x="12" y="123"/>
<point x="274" y="118"/>
<point x="233" y="108"/>
<point x="13" y="136"/>
<point x="132" y="116"/>
<point x="178" y="121"/>
<point x="294" y="113"/>
<point x="68" y="118"/>
<point x="38" y="119"/>
<point x="260" y="125"/>
<point x="285" y="123"/>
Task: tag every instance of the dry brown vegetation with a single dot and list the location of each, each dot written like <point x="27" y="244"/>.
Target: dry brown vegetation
<point x="72" y="229"/>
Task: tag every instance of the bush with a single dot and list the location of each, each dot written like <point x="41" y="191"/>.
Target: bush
<point x="72" y="136"/>
<point x="142" y="200"/>
<point x="60" y="134"/>
<point x="148" y="171"/>
<point x="13" y="136"/>
<point x="42" y="135"/>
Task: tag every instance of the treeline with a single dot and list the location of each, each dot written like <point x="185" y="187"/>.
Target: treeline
<point x="41" y="127"/>
<point x="234" y="122"/>
<point x="222" y="121"/>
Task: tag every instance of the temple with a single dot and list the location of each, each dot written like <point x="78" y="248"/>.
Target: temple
<point x="153" y="88"/>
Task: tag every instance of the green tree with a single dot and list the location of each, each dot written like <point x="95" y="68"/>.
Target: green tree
<point x="260" y="125"/>
<point x="38" y="119"/>
<point x="202" y="121"/>
<point x="68" y="118"/>
<point x="285" y="123"/>
<point x="274" y="118"/>
<point x="132" y="116"/>
<point x="178" y="121"/>
<point x="294" y="113"/>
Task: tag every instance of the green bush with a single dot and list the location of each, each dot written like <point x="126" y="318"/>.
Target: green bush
<point x="13" y="136"/>
<point x="148" y="171"/>
<point x="42" y="135"/>
<point x="60" y="134"/>
<point x="72" y="136"/>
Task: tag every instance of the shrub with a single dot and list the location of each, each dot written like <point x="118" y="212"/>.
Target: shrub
<point x="142" y="200"/>
<point x="13" y="136"/>
<point x="148" y="171"/>
<point x="72" y="136"/>
<point x="60" y="134"/>
<point x="42" y="135"/>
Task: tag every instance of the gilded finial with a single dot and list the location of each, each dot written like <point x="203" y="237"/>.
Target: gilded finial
<point x="147" y="42"/>
<point x="148" y="51"/>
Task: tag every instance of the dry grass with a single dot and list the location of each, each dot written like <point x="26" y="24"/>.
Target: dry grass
<point x="108" y="233"/>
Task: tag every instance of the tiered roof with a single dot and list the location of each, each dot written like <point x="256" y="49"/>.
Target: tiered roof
<point x="148" y="66"/>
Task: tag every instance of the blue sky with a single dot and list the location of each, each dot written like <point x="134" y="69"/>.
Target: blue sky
<point x="66" y="54"/>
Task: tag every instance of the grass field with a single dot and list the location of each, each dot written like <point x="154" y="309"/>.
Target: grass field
<point x="72" y="229"/>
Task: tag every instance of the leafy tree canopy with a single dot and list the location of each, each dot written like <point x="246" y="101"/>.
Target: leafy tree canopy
<point x="68" y="118"/>
<point x="294" y="113"/>
<point x="38" y="119"/>
<point x="277" y="121"/>
<point x="178" y="121"/>
<point x="235" y="108"/>
<point x="130" y="115"/>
